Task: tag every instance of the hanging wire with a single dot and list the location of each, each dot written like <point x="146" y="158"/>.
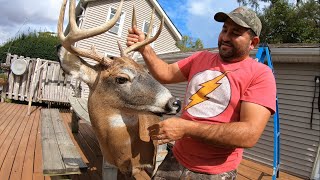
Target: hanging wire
<point x="25" y="21"/>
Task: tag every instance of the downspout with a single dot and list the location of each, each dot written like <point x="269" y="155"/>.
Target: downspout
<point x="315" y="175"/>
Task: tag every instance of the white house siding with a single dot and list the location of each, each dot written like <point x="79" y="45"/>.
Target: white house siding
<point x="96" y="14"/>
<point x="298" y="143"/>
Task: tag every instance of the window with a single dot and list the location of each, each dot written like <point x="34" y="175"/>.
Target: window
<point x="117" y="28"/>
<point x="145" y="29"/>
<point x="109" y="55"/>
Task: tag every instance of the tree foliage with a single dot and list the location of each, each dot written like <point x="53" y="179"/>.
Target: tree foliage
<point x="286" y="23"/>
<point x="33" y="44"/>
<point x="187" y="43"/>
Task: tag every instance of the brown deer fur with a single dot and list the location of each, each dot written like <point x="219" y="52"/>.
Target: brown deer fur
<point x="121" y="113"/>
<point x="123" y="99"/>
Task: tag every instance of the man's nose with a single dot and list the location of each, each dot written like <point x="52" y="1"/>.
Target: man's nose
<point x="226" y="36"/>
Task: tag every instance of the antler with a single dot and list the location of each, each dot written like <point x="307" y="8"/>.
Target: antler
<point x="75" y="34"/>
<point x="147" y="40"/>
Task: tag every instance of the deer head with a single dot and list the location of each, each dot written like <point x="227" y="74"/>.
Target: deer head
<point x="124" y="97"/>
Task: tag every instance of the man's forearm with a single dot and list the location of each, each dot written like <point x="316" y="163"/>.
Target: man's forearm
<point x="236" y="134"/>
<point x="157" y="67"/>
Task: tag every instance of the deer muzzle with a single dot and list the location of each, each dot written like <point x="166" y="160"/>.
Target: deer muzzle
<point x="173" y="106"/>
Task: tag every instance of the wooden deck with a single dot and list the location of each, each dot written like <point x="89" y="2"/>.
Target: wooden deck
<point x="21" y="156"/>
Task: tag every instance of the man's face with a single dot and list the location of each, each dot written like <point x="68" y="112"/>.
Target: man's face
<point x="234" y="42"/>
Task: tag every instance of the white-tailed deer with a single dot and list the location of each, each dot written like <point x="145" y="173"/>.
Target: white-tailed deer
<point x="124" y="98"/>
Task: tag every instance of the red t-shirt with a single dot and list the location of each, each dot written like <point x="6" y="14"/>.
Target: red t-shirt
<point x="214" y="93"/>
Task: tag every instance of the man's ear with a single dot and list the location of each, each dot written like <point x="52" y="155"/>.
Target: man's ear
<point x="76" y="67"/>
<point x="254" y="42"/>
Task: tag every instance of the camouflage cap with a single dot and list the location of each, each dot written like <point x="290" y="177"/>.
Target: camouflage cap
<point x="242" y="16"/>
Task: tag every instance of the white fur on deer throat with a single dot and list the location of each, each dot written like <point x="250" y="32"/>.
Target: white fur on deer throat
<point x="118" y="121"/>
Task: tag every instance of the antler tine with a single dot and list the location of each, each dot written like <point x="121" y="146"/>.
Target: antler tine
<point x="76" y="34"/>
<point x="148" y="40"/>
<point x="60" y="21"/>
<point x="150" y="25"/>
<point x="134" y="18"/>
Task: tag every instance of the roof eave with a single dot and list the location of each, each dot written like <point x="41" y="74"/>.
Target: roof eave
<point x="172" y="27"/>
<point x="278" y="55"/>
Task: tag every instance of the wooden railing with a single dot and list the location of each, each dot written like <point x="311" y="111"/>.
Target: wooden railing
<point x="43" y="81"/>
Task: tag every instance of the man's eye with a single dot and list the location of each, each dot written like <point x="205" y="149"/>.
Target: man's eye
<point x="236" y="33"/>
<point x="121" y="80"/>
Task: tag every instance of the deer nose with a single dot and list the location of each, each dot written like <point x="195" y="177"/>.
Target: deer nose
<point x="173" y="105"/>
<point x="177" y="103"/>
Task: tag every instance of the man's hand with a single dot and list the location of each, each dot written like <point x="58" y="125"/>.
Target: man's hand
<point x="171" y="129"/>
<point x="135" y="35"/>
<point x="243" y="134"/>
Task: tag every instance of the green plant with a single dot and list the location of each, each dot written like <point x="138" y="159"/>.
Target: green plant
<point x="32" y="44"/>
<point x="3" y="79"/>
<point x="3" y="76"/>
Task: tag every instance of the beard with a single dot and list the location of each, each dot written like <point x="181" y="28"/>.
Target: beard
<point x="231" y="51"/>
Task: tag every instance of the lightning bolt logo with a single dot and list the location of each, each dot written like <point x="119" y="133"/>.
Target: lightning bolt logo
<point x="207" y="87"/>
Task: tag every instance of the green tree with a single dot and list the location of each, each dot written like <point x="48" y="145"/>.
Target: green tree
<point x="255" y="3"/>
<point x="187" y="43"/>
<point x="33" y="44"/>
<point x="286" y="23"/>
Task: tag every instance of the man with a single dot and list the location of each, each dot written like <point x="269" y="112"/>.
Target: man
<point x="229" y="100"/>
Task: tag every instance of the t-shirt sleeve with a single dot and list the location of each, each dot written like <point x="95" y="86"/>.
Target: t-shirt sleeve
<point x="186" y="64"/>
<point x="262" y="90"/>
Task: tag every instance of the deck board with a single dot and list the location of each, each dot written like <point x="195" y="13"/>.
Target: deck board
<point x="17" y="166"/>
<point x="64" y="116"/>
<point x="37" y="164"/>
<point x="29" y="158"/>
<point x="11" y="144"/>
<point x="21" y="151"/>
<point x="7" y="117"/>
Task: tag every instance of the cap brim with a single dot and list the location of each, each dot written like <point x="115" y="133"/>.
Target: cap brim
<point x="221" y="17"/>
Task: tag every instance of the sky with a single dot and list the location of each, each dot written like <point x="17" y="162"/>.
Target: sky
<point x="192" y="18"/>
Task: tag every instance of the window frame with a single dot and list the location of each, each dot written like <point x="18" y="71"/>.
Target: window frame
<point x="121" y="22"/>
<point x="153" y="33"/>
<point x="110" y="55"/>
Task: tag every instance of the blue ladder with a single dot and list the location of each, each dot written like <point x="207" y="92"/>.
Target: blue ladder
<point x="264" y="52"/>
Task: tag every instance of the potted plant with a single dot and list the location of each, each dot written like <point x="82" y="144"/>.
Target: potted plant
<point x="3" y="79"/>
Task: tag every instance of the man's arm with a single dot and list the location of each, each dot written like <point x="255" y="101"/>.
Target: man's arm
<point x="165" y="73"/>
<point x="245" y="133"/>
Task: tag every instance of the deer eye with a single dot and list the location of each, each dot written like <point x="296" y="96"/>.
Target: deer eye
<point x="121" y="80"/>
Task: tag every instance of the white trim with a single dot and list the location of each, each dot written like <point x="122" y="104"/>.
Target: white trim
<point x="108" y="54"/>
<point x="316" y="166"/>
<point x="121" y="23"/>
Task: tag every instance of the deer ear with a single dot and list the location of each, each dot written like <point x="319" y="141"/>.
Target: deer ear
<point x="146" y="120"/>
<point x="143" y="128"/>
<point x="75" y="66"/>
